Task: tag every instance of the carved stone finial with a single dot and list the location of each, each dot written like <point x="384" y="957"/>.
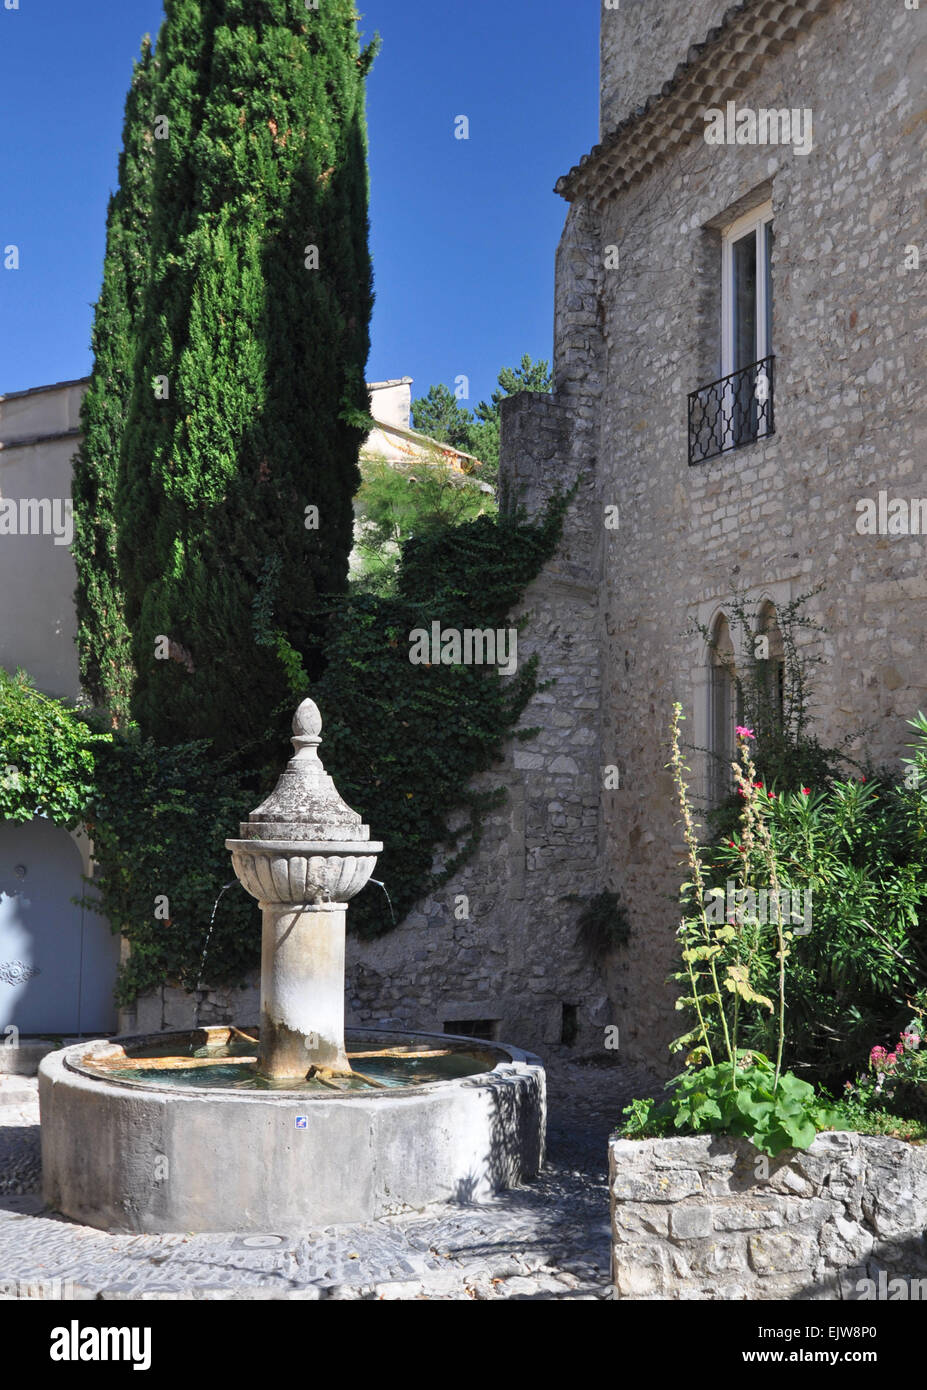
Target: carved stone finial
<point x="305" y="805"/>
<point x="307" y="722"/>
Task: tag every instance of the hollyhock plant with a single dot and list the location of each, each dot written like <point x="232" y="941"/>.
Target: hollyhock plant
<point x="725" y="1088"/>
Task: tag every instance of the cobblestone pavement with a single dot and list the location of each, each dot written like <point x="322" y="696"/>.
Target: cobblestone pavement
<point x="547" y="1240"/>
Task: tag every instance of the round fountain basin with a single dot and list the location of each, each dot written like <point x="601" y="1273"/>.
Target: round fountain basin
<point x="216" y="1147"/>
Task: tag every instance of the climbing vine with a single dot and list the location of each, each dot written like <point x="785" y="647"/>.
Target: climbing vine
<point x="159" y="823"/>
<point x="404" y="741"/>
<point x="48" y="755"/>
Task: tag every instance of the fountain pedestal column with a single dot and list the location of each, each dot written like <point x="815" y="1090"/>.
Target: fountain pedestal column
<point x="303" y="854"/>
<point x="302" y="989"/>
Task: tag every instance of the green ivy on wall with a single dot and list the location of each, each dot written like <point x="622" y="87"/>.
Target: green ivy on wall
<point x="159" y="823"/>
<point x="403" y="741"/>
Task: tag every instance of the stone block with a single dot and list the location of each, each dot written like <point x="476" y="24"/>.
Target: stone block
<point x="742" y="1214"/>
<point x="845" y="1242"/>
<point x="656" y="1187"/>
<point x="718" y="1255"/>
<point x="639" y="1270"/>
<point x="688" y="1221"/>
<point x="780" y="1253"/>
<point x="634" y="1219"/>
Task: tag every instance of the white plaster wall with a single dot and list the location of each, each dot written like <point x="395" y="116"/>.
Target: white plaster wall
<point x="391" y="402"/>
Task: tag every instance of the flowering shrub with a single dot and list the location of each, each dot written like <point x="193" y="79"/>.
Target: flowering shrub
<point x="730" y="1090"/>
<point x="857" y="851"/>
<point x="894" y="1078"/>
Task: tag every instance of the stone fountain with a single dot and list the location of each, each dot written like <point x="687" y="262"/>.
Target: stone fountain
<point x="303" y="854"/>
<point x="245" y="1128"/>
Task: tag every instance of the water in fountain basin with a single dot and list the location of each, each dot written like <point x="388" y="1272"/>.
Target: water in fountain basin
<point x="391" y="1071"/>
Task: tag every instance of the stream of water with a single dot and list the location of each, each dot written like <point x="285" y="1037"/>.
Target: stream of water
<point x="199" y="978"/>
<point x="389" y="901"/>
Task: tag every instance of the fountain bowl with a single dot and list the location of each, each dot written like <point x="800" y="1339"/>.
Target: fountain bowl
<point x="150" y="1156"/>
<point x="306" y="872"/>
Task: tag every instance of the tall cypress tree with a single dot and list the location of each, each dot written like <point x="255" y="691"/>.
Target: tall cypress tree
<point x="103" y="637"/>
<point x="248" y="398"/>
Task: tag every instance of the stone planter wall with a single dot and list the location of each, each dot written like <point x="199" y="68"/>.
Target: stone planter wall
<point x="712" y="1218"/>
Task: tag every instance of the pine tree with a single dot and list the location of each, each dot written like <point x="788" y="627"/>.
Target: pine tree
<point x="248" y="405"/>
<point x="441" y="416"/>
<point x="103" y="638"/>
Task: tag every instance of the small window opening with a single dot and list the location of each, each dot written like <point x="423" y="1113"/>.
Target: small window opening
<point x="483" y="1028"/>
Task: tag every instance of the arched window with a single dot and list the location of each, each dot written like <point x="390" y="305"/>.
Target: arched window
<point x="770" y="657"/>
<point x="722" y="711"/>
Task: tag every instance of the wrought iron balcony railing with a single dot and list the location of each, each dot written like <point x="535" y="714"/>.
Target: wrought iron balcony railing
<point x="735" y="410"/>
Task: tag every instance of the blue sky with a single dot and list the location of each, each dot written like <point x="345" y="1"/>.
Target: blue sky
<point x="463" y="233"/>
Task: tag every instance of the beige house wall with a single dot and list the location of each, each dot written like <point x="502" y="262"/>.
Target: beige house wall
<point x="38" y="438"/>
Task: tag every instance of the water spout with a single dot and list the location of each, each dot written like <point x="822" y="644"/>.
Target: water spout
<point x="389" y="901"/>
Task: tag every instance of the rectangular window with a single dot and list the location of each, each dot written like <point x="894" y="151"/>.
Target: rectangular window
<point x="738" y="408"/>
<point x="746" y="290"/>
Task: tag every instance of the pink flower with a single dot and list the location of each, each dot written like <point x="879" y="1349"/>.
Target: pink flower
<point x="911" y="1040"/>
<point x="743" y="732"/>
<point x="806" y="791"/>
<point x="876" y="1055"/>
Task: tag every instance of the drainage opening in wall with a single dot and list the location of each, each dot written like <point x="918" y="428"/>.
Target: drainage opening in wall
<point x="569" y="1024"/>
<point x="485" y="1028"/>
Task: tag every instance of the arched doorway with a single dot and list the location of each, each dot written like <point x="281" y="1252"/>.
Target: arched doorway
<point x="57" y="960"/>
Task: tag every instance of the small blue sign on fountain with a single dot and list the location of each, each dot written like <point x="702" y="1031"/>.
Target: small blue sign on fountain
<point x="302" y="1121"/>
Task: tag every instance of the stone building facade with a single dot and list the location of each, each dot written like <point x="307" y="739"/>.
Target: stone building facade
<point x="654" y="301"/>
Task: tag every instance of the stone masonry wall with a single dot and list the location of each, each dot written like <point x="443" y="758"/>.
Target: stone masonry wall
<point x="777" y="517"/>
<point x="641" y="43"/>
<point x="514" y="958"/>
<point x="712" y="1218"/>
